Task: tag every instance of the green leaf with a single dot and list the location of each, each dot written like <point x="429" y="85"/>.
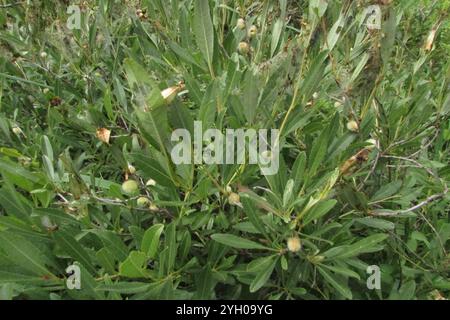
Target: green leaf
<point x="106" y="260"/>
<point x="335" y="32"/>
<point x="318" y="7"/>
<point x="362" y="246"/>
<point x="236" y="242"/>
<point x="250" y="95"/>
<point x="125" y="287"/>
<point x="318" y="153"/>
<point x="288" y="193"/>
<point x="263" y="276"/>
<point x="48" y="165"/>
<point x="136" y="74"/>
<point x="386" y="191"/>
<point x="389" y="28"/>
<point x="88" y="287"/>
<point x="260" y="263"/>
<point x="319" y="210"/>
<point x="152" y="169"/>
<point x="171" y="245"/>
<point x="24" y="254"/>
<point x="204" y="283"/>
<point x="376" y="223"/>
<point x="313" y="77"/>
<point x="70" y="246"/>
<point x="184" y="55"/>
<point x="343" y="271"/>
<point x="20" y="278"/>
<point x="298" y="171"/>
<point x="56" y="215"/>
<point x="154" y="126"/>
<point x="20" y="176"/>
<point x="276" y="34"/>
<point x="113" y="242"/>
<point x="47" y="149"/>
<point x="134" y="265"/>
<point x="150" y="241"/>
<point x="12" y="202"/>
<point x="203" y="31"/>
<point x="406" y="291"/>
<point x="335" y="283"/>
<point x="253" y="215"/>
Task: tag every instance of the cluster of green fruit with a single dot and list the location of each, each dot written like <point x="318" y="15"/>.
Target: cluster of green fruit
<point x="244" y="46"/>
<point x="131" y="188"/>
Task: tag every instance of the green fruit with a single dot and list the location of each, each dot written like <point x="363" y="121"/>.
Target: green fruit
<point x="234" y="199"/>
<point x="143" y="202"/>
<point x="243" y="48"/>
<point x="241" y="24"/>
<point x="130" y="187"/>
<point x="294" y="244"/>
<point x="252" y="32"/>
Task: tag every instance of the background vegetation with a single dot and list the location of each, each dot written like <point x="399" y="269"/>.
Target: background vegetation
<point x="365" y="131"/>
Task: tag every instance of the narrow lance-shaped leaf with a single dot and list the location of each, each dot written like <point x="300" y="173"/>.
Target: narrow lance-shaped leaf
<point x="133" y="266"/>
<point x="204" y="31"/>
<point x="236" y="242"/>
<point x="151" y="240"/>
<point x="70" y="245"/>
<point x="263" y="276"/>
<point x="24" y="254"/>
<point x="338" y="285"/>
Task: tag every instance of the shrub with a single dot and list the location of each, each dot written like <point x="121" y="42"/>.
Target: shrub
<point x="364" y="130"/>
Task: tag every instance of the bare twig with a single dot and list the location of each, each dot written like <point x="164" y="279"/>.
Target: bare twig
<point x="427" y="201"/>
<point x="413" y="161"/>
<point x="374" y="166"/>
<point x="9" y="5"/>
<point x="429" y="143"/>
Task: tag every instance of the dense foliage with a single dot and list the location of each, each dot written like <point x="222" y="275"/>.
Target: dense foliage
<point x="364" y="124"/>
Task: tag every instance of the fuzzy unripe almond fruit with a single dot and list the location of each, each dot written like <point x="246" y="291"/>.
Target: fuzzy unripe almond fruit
<point x="143" y="202"/>
<point x="103" y="135"/>
<point x="234" y="199"/>
<point x="252" y="31"/>
<point x="130" y="187"/>
<point x="240" y="24"/>
<point x="294" y="244"/>
<point x="243" y="48"/>
<point x="352" y="126"/>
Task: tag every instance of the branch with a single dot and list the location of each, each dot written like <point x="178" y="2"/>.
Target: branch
<point x="415" y="162"/>
<point x="4" y="6"/>
<point x="427" y="201"/>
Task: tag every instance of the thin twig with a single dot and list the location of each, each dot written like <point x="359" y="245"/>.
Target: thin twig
<point x="427" y="201"/>
<point x="425" y="147"/>
<point x="413" y="161"/>
<point x="374" y="166"/>
<point x="4" y="6"/>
